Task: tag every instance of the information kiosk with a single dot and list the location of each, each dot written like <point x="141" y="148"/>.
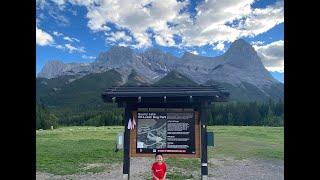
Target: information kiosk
<point x="171" y="120"/>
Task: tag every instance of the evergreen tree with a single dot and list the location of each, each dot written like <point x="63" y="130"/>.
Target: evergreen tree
<point x="44" y="118"/>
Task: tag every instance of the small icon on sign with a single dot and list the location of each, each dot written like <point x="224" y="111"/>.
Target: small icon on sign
<point x="140" y="144"/>
<point x="154" y="150"/>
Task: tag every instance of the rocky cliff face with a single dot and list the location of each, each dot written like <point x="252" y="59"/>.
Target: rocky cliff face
<point x="239" y="64"/>
<point x="52" y="69"/>
<point x="57" y="68"/>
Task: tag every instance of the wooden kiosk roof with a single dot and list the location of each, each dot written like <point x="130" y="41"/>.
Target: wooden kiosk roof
<point x="165" y="94"/>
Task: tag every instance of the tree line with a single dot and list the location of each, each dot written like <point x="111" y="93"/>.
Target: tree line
<point x="247" y="113"/>
<point x="44" y="118"/>
<point x="237" y="113"/>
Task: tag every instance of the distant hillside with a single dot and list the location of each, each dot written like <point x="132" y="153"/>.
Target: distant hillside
<point x="175" y="79"/>
<point x="247" y="92"/>
<point x="60" y="95"/>
<point x="65" y="92"/>
<point x="79" y="102"/>
<point x="48" y="87"/>
<point x="135" y="80"/>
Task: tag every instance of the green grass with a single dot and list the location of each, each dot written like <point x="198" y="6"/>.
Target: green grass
<point x="68" y="150"/>
<point x="192" y="164"/>
<point x="177" y="175"/>
<point x="247" y="141"/>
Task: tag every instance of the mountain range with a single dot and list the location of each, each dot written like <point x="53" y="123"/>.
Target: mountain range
<point x="240" y="70"/>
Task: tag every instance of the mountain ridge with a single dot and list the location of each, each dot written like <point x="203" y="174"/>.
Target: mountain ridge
<point x="239" y="67"/>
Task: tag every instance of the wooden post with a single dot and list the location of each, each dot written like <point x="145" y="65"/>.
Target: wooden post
<point x="204" y="157"/>
<point x="126" y="143"/>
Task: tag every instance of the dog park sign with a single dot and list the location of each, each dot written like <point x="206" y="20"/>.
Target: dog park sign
<point x="166" y="132"/>
<point x="170" y="132"/>
<point x="170" y="120"/>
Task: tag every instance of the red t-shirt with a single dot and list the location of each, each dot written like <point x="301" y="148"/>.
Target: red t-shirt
<point x="159" y="169"/>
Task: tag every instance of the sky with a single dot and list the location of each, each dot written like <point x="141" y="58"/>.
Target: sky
<point x="78" y="30"/>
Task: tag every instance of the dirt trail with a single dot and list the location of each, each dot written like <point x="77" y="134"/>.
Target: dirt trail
<point x="222" y="168"/>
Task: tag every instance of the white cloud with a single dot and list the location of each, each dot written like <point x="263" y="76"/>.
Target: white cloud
<point x="227" y="20"/>
<point x="261" y="20"/>
<point x="118" y="36"/>
<point x="59" y="2"/>
<point x="67" y="39"/>
<point x="105" y="28"/>
<point x="134" y="16"/>
<point x="43" y="38"/>
<point x="87" y="57"/>
<point x="73" y="49"/>
<point x="215" y="22"/>
<point x="58" y="46"/>
<point x="194" y="52"/>
<point x="143" y="40"/>
<point x="211" y="22"/>
<point x="54" y="9"/>
<point x="82" y="2"/>
<point x="165" y="40"/>
<point x="74" y="12"/>
<point x="58" y="34"/>
<point x="75" y="39"/>
<point x="219" y="47"/>
<point x="217" y="13"/>
<point x="60" y="19"/>
<point x="272" y="55"/>
<point x="40" y="4"/>
<point x="71" y="39"/>
<point x="257" y="43"/>
<point x="123" y="44"/>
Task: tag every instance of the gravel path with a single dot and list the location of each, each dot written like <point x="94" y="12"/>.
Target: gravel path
<point x="222" y="168"/>
<point x="248" y="169"/>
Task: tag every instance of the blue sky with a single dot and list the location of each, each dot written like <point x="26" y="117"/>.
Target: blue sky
<point x="78" y="30"/>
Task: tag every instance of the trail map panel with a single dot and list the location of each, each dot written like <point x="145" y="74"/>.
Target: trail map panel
<point x="166" y="132"/>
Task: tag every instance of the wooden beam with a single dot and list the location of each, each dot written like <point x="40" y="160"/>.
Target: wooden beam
<point x="126" y="145"/>
<point x="204" y="153"/>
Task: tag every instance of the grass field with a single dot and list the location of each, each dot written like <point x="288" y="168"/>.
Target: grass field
<point x="67" y="150"/>
<point x="247" y="141"/>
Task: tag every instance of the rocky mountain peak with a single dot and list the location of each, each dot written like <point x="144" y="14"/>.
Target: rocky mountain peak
<point x="242" y="55"/>
<point x="54" y="63"/>
<point x="241" y="44"/>
<point x="239" y="64"/>
<point x="116" y="56"/>
<point x="120" y="49"/>
<point x="241" y="48"/>
<point x="154" y="54"/>
<point x="51" y="69"/>
<point x="188" y="55"/>
<point x="160" y="60"/>
<point x="153" y="51"/>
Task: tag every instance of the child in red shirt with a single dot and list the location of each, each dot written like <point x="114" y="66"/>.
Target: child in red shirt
<point x="159" y="168"/>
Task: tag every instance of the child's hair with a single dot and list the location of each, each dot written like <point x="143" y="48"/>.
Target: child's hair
<point x="158" y="153"/>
